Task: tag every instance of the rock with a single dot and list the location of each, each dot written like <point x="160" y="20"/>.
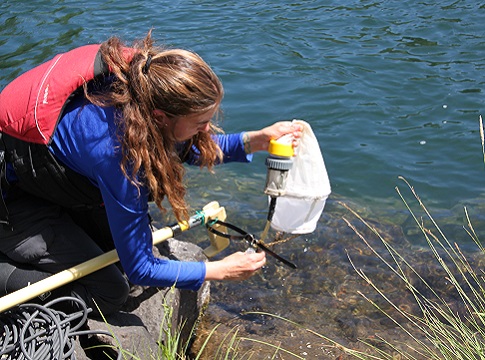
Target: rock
<point x="149" y="313"/>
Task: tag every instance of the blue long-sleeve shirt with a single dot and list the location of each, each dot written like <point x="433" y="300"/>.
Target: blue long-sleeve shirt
<point x="86" y="141"/>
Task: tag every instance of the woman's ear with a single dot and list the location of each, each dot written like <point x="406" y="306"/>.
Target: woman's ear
<point x="159" y="114"/>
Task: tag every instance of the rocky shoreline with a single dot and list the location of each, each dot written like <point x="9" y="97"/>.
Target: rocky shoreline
<point x="149" y="312"/>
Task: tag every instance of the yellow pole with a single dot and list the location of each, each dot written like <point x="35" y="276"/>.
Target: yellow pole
<point x="76" y="272"/>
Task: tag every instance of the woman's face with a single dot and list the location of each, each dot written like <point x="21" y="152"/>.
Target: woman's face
<point x="185" y="127"/>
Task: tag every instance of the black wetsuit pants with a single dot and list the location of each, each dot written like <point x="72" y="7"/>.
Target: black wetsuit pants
<point x="47" y="239"/>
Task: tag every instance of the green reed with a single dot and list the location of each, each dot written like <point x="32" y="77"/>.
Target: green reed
<point x="438" y="332"/>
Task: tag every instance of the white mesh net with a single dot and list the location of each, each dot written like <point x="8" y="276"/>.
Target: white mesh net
<point x="307" y="188"/>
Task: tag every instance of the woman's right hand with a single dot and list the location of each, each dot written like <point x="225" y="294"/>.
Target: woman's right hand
<point x="238" y="266"/>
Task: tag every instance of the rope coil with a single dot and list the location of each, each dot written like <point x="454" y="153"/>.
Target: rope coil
<point x="39" y="332"/>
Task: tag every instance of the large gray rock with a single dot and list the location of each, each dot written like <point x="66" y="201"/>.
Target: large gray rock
<point x="150" y="312"/>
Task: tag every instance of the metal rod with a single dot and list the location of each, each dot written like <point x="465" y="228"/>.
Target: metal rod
<point x="269" y="218"/>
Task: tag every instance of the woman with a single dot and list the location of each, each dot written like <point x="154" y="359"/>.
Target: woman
<point x="79" y="172"/>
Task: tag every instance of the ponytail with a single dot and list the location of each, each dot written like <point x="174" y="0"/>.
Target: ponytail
<point x="177" y="82"/>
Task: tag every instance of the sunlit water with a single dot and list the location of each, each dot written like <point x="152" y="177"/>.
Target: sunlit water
<point x="390" y="89"/>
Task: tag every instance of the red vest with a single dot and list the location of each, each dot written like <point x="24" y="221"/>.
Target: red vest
<point x="30" y="109"/>
<point x="31" y="105"/>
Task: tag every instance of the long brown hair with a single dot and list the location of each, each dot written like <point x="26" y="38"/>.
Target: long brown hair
<point x="177" y="82"/>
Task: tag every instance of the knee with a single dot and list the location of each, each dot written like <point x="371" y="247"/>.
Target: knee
<point x="104" y="291"/>
<point x="113" y="297"/>
<point x="121" y="292"/>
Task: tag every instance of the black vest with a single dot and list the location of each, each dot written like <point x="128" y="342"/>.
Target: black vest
<point x="41" y="174"/>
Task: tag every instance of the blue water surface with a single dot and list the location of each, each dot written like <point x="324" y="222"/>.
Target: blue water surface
<point x="390" y="88"/>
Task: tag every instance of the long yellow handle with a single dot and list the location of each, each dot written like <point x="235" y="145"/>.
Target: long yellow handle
<point x="76" y="272"/>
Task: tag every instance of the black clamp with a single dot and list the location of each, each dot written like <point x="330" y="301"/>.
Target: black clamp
<point x="244" y="235"/>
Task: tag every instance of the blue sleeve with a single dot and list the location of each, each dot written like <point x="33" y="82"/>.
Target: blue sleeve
<point x="232" y="147"/>
<point x="86" y="141"/>
<point x="129" y="223"/>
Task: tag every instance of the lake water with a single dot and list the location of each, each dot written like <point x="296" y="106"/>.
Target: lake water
<point x="390" y="89"/>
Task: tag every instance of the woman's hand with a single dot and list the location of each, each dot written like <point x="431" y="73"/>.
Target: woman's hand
<point x="238" y="266"/>
<point x="259" y="140"/>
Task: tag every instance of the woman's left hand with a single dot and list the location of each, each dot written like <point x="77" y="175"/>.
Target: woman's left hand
<point x="259" y="140"/>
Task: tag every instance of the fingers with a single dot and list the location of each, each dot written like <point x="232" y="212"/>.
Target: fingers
<point x="282" y="128"/>
<point x="252" y="263"/>
<point x="259" y="140"/>
<point x="237" y="266"/>
<point x="258" y="259"/>
<point x="249" y="262"/>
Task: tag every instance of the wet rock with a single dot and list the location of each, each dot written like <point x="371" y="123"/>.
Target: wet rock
<point x="348" y="326"/>
<point x="149" y="314"/>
